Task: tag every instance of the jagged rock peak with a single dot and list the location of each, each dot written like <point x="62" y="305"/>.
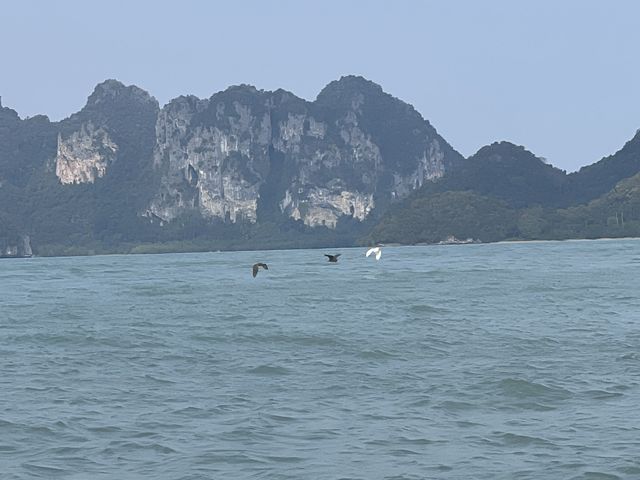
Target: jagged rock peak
<point x="505" y="150"/>
<point x="346" y="87"/>
<point x="242" y="93"/>
<point x="509" y="153"/>
<point x="243" y="88"/>
<point x="502" y="147"/>
<point x="186" y="103"/>
<point x="111" y="89"/>
<point x="9" y="114"/>
<point x="634" y="142"/>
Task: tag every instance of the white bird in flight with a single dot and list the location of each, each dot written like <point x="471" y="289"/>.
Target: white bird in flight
<point x="376" y="250"/>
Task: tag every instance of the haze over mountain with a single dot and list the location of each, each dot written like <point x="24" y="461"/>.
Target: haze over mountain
<point x="250" y="168"/>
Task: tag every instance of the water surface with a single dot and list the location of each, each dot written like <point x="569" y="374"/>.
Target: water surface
<point x="502" y="361"/>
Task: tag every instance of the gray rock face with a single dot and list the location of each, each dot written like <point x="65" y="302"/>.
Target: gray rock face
<point x="215" y="167"/>
<point x="336" y="171"/>
<point x="430" y="166"/>
<point x="15" y="246"/>
<point x="122" y="165"/>
<point x="84" y="155"/>
<point x="244" y="149"/>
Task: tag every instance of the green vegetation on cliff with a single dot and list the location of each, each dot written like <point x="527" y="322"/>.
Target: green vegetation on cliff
<point x="432" y="217"/>
<point x="354" y="143"/>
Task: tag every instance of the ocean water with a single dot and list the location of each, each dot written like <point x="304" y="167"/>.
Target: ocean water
<point x="502" y="361"/>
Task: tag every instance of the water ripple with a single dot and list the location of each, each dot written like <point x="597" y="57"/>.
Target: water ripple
<point x="510" y="361"/>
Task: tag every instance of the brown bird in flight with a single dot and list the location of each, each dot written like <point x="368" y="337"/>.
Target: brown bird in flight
<point x="257" y="266"/>
<point x="333" y="258"/>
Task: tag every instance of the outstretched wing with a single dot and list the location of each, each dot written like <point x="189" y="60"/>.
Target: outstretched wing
<point x="372" y="250"/>
<point x="337" y="255"/>
<point x="378" y="254"/>
<point x="256" y="267"/>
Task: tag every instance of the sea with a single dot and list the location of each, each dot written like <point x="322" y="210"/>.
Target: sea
<point x="489" y="361"/>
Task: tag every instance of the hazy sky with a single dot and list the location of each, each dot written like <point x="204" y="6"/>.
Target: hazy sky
<point x="560" y="77"/>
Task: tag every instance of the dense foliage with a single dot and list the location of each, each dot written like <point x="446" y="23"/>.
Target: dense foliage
<point x="502" y="192"/>
<point x="465" y="214"/>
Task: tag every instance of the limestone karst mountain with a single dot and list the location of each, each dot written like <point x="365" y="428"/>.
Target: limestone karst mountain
<point x="124" y="170"/>
<point x="249" y="168"/>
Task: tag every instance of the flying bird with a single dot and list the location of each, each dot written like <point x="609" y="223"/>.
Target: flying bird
<point x="257" y="267"/>
<point x="375" y="250"/>
<point x="333" y="258"/>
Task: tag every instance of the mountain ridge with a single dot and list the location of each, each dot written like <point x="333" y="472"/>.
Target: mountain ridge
<point x="125" y="168"/>
<point x="246" y="168"/>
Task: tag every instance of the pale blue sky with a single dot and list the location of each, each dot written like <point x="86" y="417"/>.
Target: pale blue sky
<point x="560" y="77"/>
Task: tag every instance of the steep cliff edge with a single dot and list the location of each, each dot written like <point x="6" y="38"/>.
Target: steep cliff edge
<point x="248" y="168"/>
<point x="249" y="155"/>
<point x="123" y="169"/>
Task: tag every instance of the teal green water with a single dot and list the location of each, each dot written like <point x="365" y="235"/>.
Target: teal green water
<point x="502" y="361"/>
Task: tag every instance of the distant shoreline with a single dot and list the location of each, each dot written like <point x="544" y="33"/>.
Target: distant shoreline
<point x="160" y="251"/>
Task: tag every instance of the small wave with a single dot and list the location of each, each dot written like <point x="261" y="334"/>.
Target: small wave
<point x="30" y="388"/>
<point x="192" y="412"/>
<point x="423" y="402"/>
<point x="455" y="405"/>
<point x="423" y="308"/>
<point x="596" y="476"/>
<point x="45" y="470"/>
<point x="269" y="370"/>
<point x="41" y="431"/>
<point x="403" y="452"/>
<point x="132" y="446"/>
<point x="159" y="426"/>
<point x="602" y="394"/>
<point x="281" y="418"/>
<point x="417" y="441"/>
<point x="536" y="406"/>
<point x="519" y="388"/>
<point x="513" y="439"/>
<point x="145" y="435"/>
<point x="468" y="424"/>
<point x="377" y="442"/>
<point x="631" y="470"/>
<point x="316" y="340"/>
<point x="277" y="459"/>
<point x="159" y="380"/>
<point x="104" y="429"/>
<point x="633" y="356"/>
<point x="65" y="450"/>
<point x="164" y="449"/>
<point x="227" y="457"/>
<point x="7" y="424"/>
<point x="375" y="354"/>
<point x="395" y="477"/>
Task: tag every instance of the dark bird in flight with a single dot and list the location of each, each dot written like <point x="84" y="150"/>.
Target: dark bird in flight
<point x="257" y="266"/>
<point x="333" y="258"/>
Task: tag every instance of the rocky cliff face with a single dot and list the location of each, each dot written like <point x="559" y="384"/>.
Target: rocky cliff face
<point x="245" y="151"/>
<point x="247" y="165"/>
<point x="15" y="246"/>
<point x="124" y="170"/>
<point x="214" y="156"/>
<point x="84" y="155"/>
